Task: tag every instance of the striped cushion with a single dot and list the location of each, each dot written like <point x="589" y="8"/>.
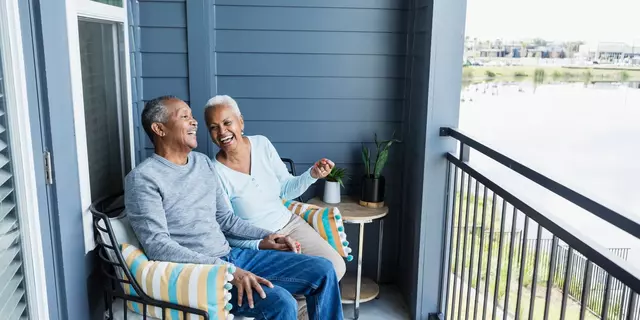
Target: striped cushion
<point x="326" y="221"/>
<point x="204" y="287"/>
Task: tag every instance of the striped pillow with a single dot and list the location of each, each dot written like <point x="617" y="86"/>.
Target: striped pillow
<point x="326" y="221"/>
<point x="200" y="286"/>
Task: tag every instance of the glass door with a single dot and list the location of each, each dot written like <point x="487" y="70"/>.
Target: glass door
<point x="102" y="97"/>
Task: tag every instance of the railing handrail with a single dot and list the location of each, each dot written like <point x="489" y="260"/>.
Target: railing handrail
<point x="614" y="265"/>
<point x="629" y="223"/>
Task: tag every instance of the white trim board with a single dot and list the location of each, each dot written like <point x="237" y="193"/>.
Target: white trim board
<point x="76" y="9"/>
<point x="23" y="163"/>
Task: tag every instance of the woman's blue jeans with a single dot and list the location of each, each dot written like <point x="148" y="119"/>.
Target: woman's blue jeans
<point x="290" y="273"/>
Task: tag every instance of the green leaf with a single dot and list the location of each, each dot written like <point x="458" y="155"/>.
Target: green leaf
<point x="375" y="139"/>
<point x="338" y="175"/>
<point x="389" y="143"/>
<point x="380" y="162"/>
<point x="366" y="159"/>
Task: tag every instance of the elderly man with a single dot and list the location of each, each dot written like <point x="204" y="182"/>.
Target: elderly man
<point x="179" y="213"/>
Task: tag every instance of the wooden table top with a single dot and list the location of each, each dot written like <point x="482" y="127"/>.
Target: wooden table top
<point x="352" y="211"/>
<point x="369" y="290"/>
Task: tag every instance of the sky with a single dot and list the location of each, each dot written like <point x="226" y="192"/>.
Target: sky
<point x="562" y="20"/>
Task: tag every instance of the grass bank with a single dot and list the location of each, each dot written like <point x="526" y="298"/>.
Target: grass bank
<point x="543" y="73"/>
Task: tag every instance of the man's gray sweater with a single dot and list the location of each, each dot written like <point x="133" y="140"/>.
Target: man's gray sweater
<point x="179" y="213"/>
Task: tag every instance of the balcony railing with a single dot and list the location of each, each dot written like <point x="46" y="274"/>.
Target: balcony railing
<point x="494" y="270"/>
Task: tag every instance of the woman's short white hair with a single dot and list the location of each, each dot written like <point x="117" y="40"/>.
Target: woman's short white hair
<point x="222" y="100"/>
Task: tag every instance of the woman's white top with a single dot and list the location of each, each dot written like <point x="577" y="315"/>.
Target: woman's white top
<point x="257" y="197"/>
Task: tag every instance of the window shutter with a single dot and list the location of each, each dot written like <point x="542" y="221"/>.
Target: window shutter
<point x="13" y="300"/>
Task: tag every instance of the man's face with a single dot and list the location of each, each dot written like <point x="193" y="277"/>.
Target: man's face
<point x="180" y="128"/>
<point x="225" y="127"/>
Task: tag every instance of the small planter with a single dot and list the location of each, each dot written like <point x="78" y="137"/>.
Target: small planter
<point x="372" y="189"/>
<point x="372" y="195"/>
<point x="331" y="192"/>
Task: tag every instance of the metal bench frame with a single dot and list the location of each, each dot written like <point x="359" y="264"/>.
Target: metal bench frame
<point x="292" y="169"/>
<point x="113" y="289"/>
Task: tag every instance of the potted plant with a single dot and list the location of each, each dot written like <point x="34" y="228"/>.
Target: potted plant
<point x="332" y="185"/>
<point x="373" y="181"/>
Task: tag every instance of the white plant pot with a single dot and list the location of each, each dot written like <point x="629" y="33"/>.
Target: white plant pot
<point x="331" y="192"/>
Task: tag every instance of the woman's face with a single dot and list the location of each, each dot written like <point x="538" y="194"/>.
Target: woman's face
<point x="225" y="127"/>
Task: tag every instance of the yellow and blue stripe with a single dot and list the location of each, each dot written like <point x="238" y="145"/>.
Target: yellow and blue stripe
<point x="203" y="287"/>
<point x="326" y="221"/>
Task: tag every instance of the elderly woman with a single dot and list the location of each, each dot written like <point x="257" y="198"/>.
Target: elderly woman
<point x="255" y="179"/>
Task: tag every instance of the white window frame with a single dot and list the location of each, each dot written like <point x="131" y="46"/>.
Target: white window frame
<point x="87" y="9"/>
<point x="26" y="194"/>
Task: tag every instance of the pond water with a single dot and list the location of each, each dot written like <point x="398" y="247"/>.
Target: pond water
<point x="585" y="136"/>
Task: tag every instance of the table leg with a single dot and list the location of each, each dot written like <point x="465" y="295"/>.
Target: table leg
<point x="380" y="238"/>
<point x="356" y="308"/>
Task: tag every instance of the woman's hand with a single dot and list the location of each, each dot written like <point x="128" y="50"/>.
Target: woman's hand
<point x="246" y="282"/>
<point x="322" y="168"/>
<point x="292" y="244"/>
<point x="279" y="242"/>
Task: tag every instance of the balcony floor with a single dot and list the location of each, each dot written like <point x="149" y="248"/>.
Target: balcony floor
<point x="388" y="307"/>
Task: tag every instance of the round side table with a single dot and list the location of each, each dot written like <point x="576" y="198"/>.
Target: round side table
<point x="359" y="289"/>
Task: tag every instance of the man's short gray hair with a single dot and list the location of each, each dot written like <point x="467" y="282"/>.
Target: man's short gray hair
<point x="155" y="110"/>
<point x="222" y="100"/>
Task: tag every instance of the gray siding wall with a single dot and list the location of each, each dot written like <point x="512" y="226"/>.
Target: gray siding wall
<point x="318" y="78"/>
<point x="160" y="64"/>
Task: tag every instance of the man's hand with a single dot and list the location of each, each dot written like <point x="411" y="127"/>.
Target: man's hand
<point x="246" y="282"/>
<point x="322" y="168"/>
<point x="279" y="242"/>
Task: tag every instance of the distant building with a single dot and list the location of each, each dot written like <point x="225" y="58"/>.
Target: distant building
<point x="492" y="53"/>
<point x="609" y="51"/>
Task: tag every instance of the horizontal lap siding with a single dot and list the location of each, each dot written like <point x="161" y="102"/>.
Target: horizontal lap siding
<point x="163" y="54"/>
<point x="318" y="78"/>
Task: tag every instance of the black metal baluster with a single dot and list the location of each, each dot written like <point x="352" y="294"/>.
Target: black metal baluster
<point x="464" y="246"/>
<point x="631" y="312"/>
<point x="534" y="281"/>
<point x="567" y="284"/>
<point x="164" y="314"/>
<point x="499" y="264"/>
<point x="453" y="212"/>
<point x="494" y="200"/>
<point x="512" y="250"/>
<point x="552" y="266"/>
<point x="601" y="279"/>
<point x="586" y="290"/>
<point x="605" y="300"/>
<point x="124" y="304"/>
<point x="623" y="308"/>
<point x="473" y="246"/>
<point x="583" y="270"/>
<point x="456" y="264"/>
<point x="523" y="263"/>
<point x="480" y="251"/>
<point x="616" y="298"/>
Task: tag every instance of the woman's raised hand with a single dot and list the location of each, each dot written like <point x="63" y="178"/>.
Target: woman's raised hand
<point x="322" y="168"/>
